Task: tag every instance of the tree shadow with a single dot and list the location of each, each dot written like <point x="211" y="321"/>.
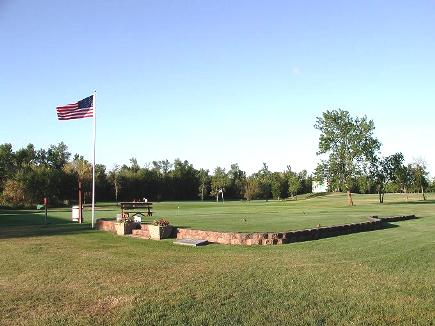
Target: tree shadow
<point x="384" y="226"/>
<point x="28" y="217"/>
<point x="87" y="209"/>
<point x="24" y="231"/>
<point x="404" y="202"/>
<point x="31" y="223"/>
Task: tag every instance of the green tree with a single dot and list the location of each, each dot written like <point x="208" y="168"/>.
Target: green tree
<point x="364" y="183"/>
<point x="134" y="166"/>
<point x="399" y="174"/>
<point x="115" y="181"/>
<point x="161" y="177"/>
<point x="252" y="188"/>
<point x="236" y="182"/>
<point x="81" y="170"/>
<point x="204" y="183"/>
<point x="379" y="172"/>
<point x="264" y="177"/>
<point x="184" y="180"/>
<point x="219" y="182"/>
<point x="102" y="184"/>
<point x="419" y="176"/>
<point x="306" y="182"/>
<point x="14" y="193"/>
<point x="25" y="157"/>
<point x="388" y="172"/>
<point x="80" y="167"/>
<point x="350" y="145"/>
<point x="322" y="174"/>
<point x="57" y="156"/>
<point x="431" y="186"/>
<point x="278" y="185"/>
<point x="294" y="184"/>
<point x="7" y="164"/>
<point x="44" y="181"/>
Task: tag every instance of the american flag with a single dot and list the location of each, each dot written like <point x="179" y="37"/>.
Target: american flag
<point x="78" y="110"/>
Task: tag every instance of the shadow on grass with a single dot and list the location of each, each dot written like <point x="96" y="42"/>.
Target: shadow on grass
<point x="31" y="223"/>
<point x="24" y="231"/>
<point x="29" y="217"/>
<point x="336" y="235"/>
<point x="413" y="202"/>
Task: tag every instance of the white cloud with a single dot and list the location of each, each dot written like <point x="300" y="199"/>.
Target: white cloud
<point x="296" y="71"/>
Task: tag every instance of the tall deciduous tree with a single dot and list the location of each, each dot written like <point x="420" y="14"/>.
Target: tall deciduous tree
<point x="252" y="188"/>
<point x="278" y="185"/>
<point x="204" y="181"/>
<point x="219" y="182"/>
<point x="14" y="193"/>
<point x="7" y="163"/>
<point x="399" y="173"/>
<point x="236" y="178"/>
<point x="419" y="176"/>
<point x="57" y="156"/>
<point x="81" y="169"/>
<point x="294" y="184"/>
<point x="184" y="180"/>
<point x="114" y="180"/>
<point x="350" y="145"/>
<point x="379" y="173"/>
<point x="264" y="176"/>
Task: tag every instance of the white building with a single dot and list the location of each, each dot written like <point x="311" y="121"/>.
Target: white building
<point x="319" y="186"/>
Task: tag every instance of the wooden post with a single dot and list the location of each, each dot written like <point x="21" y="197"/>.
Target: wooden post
<point x="45" y="205"/>
<point x="349" y="198"/>
<point x="80" y="203"/>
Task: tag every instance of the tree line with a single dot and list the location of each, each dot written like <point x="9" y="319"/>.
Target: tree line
<point x="28" y="175"/>
<point x="351" y="162"/>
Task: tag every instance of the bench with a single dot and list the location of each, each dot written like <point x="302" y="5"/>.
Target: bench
<point x="136" y="208"/>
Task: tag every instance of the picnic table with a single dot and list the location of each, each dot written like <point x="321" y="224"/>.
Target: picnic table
<point x="136" y="207"/>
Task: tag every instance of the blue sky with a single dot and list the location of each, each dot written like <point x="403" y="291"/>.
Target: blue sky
<point x="217" y="82"/>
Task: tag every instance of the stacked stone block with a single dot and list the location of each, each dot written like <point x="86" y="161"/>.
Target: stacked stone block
<point x="143" y="232"/>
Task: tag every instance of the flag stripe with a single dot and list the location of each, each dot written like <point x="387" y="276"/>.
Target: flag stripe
<point x="76" y="110"/>
<point x="90" y="112"/>
<point x="76" y="115"/>
<point x="66" y="108"/>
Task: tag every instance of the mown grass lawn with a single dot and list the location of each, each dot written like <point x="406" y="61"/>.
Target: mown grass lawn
<point x="65" y="273"/>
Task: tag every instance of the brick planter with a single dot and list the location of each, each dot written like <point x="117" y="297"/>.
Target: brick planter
<point x="158" y="232"/>
<point x="124" y="228"/>
<point x="105" y="225"/>
<point x="142" y="233"/>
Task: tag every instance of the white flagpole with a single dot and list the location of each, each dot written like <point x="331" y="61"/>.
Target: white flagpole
<point x="93" y="163"/>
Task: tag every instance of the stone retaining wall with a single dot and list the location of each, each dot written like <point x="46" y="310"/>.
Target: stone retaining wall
<point x="265" y="238"/>
<point x="396" y="218"/>
<point x="105" y="225"/>
<point x="109" y="226"/>
<point x="272" y="238"/>
<point x="143" y="232"/>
